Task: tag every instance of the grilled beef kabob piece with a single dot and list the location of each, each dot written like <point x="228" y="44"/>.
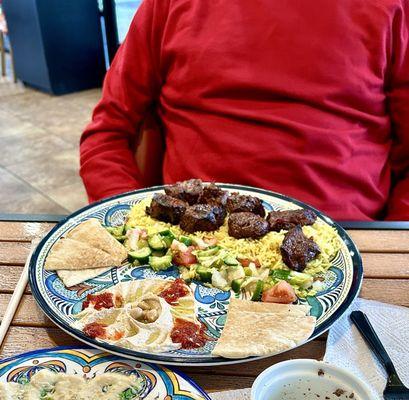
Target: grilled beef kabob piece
<point x="188" y="191"/>
<point x="247" y="225"/>
<point x="279" y="220"/>
<point x="202" y="217"/>
<point x="166" y="208"/>
<point x="297" y="249"/>
<point x="204" y="206"/>
<point x="244" y="203"/>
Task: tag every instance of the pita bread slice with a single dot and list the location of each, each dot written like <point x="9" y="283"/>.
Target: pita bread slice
<point x="72" y="278"/>
<point x="69" y="254"/>
<point x="94" y="234"/>
<point x="259" y="307"/>
<point x="262" y="334"/>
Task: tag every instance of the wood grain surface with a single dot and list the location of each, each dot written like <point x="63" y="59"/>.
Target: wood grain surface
<point x="385" y="256"/>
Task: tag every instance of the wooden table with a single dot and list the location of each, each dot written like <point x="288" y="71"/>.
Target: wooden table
<point x="386" y="266"/>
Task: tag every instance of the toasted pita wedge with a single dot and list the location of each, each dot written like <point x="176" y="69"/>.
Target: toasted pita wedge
<point x="94" y="234"/>
<point x="69" y="254"/>
<point x="260" y="332"/>
<point x="72" y="278"/>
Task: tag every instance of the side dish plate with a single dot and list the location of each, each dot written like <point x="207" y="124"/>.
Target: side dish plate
<point x="342" y="281"/>
<point x="157" y="382"/>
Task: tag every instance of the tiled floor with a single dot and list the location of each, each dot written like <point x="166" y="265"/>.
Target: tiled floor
<point x="39" y="137"/>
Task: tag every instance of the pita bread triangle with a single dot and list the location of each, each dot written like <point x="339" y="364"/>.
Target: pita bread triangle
<point x="95" y="235"/>
<point x="69" y="254"/>
<point x="263" y="332"/>
<point x="72" y="278"/>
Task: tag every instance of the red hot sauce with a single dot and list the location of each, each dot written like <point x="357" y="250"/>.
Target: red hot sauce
<point x="99" y="301"/>
<point x="174" y="291"/>
<point x="188" y="334"/>
<point x="95" y="330"/>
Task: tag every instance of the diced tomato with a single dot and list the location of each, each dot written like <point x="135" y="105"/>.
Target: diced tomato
<point x="245" y="262"/>
<point x="184" y="258"/>
<point x="281" y="292"/>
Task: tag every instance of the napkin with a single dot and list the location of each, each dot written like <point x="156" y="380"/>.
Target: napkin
<point x="346" y="347"/>
<point x="241" y="394"/>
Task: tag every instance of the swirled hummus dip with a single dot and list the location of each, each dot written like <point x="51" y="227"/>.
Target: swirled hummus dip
<point x="48" y="385"/>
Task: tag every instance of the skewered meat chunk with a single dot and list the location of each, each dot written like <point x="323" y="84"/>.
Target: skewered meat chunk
<point x="166" y="208"/>
<point x="247" y="225"/>
<point x="188" y="191"/>
<point x="242" y="203"/>
<point x="214" y="195"/>
<point x="202" y="217"/>
<point x="286" y="220"/>
<point x="297" y="250"/>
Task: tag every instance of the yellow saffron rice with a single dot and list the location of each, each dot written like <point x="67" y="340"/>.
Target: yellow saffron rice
<point x="266" y="249"/>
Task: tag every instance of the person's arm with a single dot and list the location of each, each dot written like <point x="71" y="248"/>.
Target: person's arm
<point x="398" y="97"/>
<point x="107" y="160"/>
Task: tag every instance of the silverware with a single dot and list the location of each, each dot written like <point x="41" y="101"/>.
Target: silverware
<point x="395" y="389"/>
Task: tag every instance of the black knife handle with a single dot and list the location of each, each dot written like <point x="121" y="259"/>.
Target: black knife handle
<point x="364" y="326"/>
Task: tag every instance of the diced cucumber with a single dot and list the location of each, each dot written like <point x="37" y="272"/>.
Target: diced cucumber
<point x="159" y="253"/>
<point x="156" y="242"/>
<point x="141" y="255"/>
<point x="142" y="243"/>
<point x="166" y="232"/>
<point x="230" y="260"/>
<point x="118" y="232"/>
<point x="185" y="240"/>
<point x="160" y="263"/>
<point x="121" y="238"/>
<point x="115" y="230"/>
<point x="204" y="274"/>
<point x="211" y="251"/>
<point x="258" y="291"/>
<point x="236" y="285"/>
<point x="188" y="273"/>
<point x="127" y="227"/>
<point x="167" y="237"/>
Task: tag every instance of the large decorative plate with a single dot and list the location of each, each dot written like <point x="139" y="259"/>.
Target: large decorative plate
<point x="157" y="382"/>
<point x="342" y="280"/>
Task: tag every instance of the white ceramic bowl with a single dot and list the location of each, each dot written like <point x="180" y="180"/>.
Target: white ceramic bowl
<point x="308" y="379"/>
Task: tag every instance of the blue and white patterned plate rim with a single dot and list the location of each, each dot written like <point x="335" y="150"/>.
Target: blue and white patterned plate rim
<point x="36" y="353"/>
<point x="192" y="361"/>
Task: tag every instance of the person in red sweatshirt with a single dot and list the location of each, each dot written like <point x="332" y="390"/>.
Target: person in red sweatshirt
<point x="305" y="98"/>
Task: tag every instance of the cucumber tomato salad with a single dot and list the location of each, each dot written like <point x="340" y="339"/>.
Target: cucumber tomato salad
<point x="204" y="260"/>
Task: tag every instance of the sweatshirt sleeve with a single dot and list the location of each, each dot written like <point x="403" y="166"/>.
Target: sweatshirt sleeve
<point x="398" y="205"/>
<point x="107" y="162"/>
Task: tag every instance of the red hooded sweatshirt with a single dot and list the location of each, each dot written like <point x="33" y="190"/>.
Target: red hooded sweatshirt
<point x="306" y="98"/>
